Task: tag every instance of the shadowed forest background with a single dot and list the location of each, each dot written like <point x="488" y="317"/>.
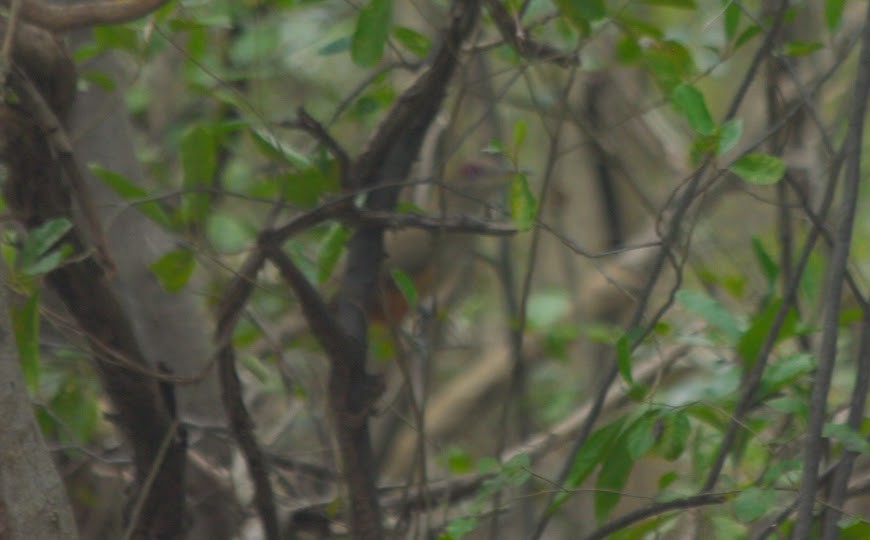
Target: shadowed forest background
<point x="499" y="269"/>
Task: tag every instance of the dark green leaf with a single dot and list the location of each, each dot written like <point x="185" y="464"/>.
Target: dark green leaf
<point x="25" y="324"/>
<point x="623" y="359"/>
<point x="670" y="63"/>
<point x="582" y="12"/>
<point x="640" y="436"/>
<point x="801" y="48"/>
<point x="130" y="191"/>
<point x="747" y="34"/>
<point x="524" y="207"/>
<point x="752" y="340"/>
<point x="174" y="269"/>
<point x="459" y="461"/>
<point x="753" y="502"/>
<point x="731" y="19"/>
<point x="762" y="169"/>
<point x="37" y="256"/>
<point x="520" y="131"/>
<point x="611" y="479"/>
<point x="330" y="251"/>
<point x="833" y="13"/>
<point x="593" y="451"/>
<point x="371" y="32"/>
<point x="335" y="46"/>
<point x="765" y="261"/>
<point x="689" y="101"/>
<point x="676" y="430"/>
<point x="413" y="40"/>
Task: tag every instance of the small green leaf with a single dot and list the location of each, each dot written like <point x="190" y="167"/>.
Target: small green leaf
<point x="801" y="48"/>
<point x="36" y="256"/>
<point x="689" y="101"/>
<point x="405" y="285"/>
<point x="520" y="131"/>
<point x="413" y="40"/>
<point x="747" y="34"/>
<point x="459" y="461"/>
<point x="729" y="135"/>
<point x="675" y="434"/>
<point x="731" y="18"/>
<point x="330" y="251"/>
<point x="272" y="148"/>
<point x="103" y="80"/>
<point x="765" y="261"/>
<point x="762" y="169"/>
<point x="198" y="154"/>
<point x="25" y="324"/>
<point x="611" y="479"/>
<point x="712" y="311"/>
<point x="335" y="46"/>
<point x="524" y="207"/>
<point x="752" y="340"/>
<point x="130" y="191"/>
<point x="833" y="13"/>
<point x="582" y="12"/>
<point x="623" y="358"/>
<point x="174" y="269"/>
<point x="593" y="451"/>
<point x="371" y="32"/>
<point x="753" y="502"/>
<point x="640" y="437"/>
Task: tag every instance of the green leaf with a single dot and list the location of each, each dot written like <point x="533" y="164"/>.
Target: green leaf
<point x="753" y="502"/>
<point x="747" y="34"/>
<point x="130" y="191"/>
<point x="406" y="286"/>
<point x="785" y="371"/>
<point x="37" y="256"/>
<point x="640" y="436"/>
<point x="752" y="340"/>
<point x="228" y="233"/>
<point x="729" y="135"/>
<point x="521" y="128"/>
<point x="670" y="63"/>
<point x="833" y="13"/>
<point x="593" y="451"/>
<point x="675" y="434"/>
<point x="198" y="154"/>
<point x="459" y="461"/>
<point x="765" y="261"/>
<point x="762" y="169"/>
<point x="679" y="4"/>
<point x="848" y="437"/>
<point x="611" y="479"/>
<point x="582" y="12"/>
<point x="524" y="207"/>
<point x="174" y="269"/>
<point x="335" y="46"/>
<point x="272" y="148"/>
<point x="712" y="311"/>
<point x="689" y="101"/>
<point x="731" y="19"/>
<point x="103" y="80"/>
<point x="623" y="358"/>
<point x="371" y="32"/>
<point x="25" y="324"/>
<point x="801" y="48"/>
<point x="413" y="40"/>
<point x="330" y="251"/>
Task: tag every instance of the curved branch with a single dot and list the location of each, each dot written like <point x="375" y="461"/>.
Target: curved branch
<point x="61" y="17"/>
